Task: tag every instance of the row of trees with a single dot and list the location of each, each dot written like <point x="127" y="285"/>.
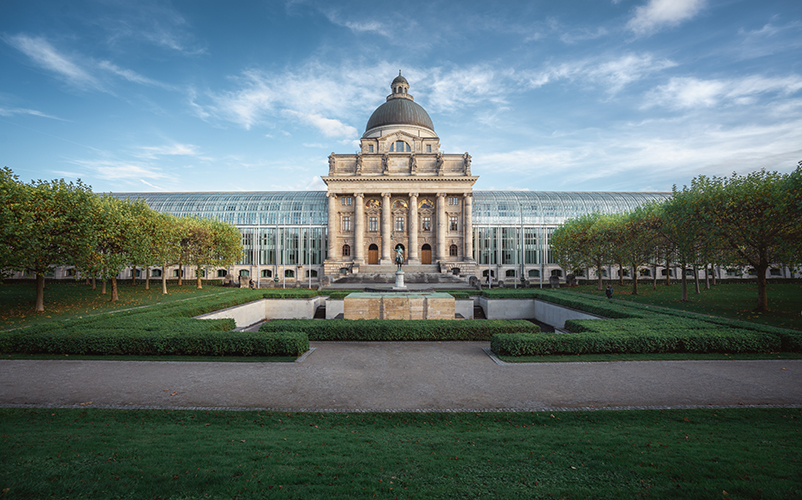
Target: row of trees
<point x="46" y="224"/>
<point x="753" y="220"/>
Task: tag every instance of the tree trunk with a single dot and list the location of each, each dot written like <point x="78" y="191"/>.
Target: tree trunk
<point x="654" y="277"/>
<point x="707" y="277"/>
<point x="599" y="274"/>
<point x="147" y="278"/>
<point x="198" y="277"/>
<point x="621" y="274"/>
<point x="713" y="268"/>
<point x="87" y="281"/>
<point x="133" y="276"/>
<point x="40" y="292"/>
<point x="180" y="274"/>
<point x="164" y="279"/>
<point x="684" y="283"/>
<point x="103" y="287"/>
<point x="114" y="296"/>
<point x="762" y="296"/>
<point x="668" y="274"/>
<point x="696" y="278"/>
<point x="94" y="283"/>
<point x="634" y="280"/>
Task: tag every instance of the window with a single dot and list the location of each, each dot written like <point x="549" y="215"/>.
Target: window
<point x="202" y="273"/>
<point x="289" y="273"/>
<point x="175" y="273"/>
<point x="556" y="272"/>
<point x="534" y="273"/>
<point x="732" y="272"/>
<point x="670" y="272"/>
<point x="244" y="273"/>
<point x="373" y="224"/>
<point x="71" y="272"/>
<point x="267" y="273"/>
<point x="314" y="273"/>
<point x="426" y="223"/>
<point x="689" y="272"/>
<point x="752" y="271"/>
<point x="370" y="148"/>
<point x="452" y="223"/>
<point x="510" y="273"/>
<point x="400" y="147"/>
<point x="428" y="148"/>
<point x="346" y="223"/>
<point x="645" y="272"/>
<point x="221" y="273"/>
<point x="452" y="250"/>
<point x="346" y="250"/>
<point x="775" y="272"/>
<point x="347" y="200"/>
<point x="453" y="200"/>
<point x="399" y="223"/>
<point x="156" y="273"/>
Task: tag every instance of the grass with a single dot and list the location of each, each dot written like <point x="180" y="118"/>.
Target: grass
<point x="722" y="453"/>
<point x="731" y="300"/>
<point x="72" y="299"/>
<point x="586" y="358"/>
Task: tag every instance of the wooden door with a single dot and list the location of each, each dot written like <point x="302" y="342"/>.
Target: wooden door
<point x="426" y="254"/>
<point x="373" y="254"/>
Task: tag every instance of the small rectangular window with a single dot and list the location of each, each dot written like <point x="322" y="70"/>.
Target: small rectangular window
<point x="346" y="223"/>
<point x="373" y="224"/>
<point x="426" y="223"/>
<point x="452" y="223"/>
<point x="370" y="148"/>
<point x="428" y="148"/>
<point x="347" y="200"/>
<point x="453" y="201"/>
<point x="399" y="223"/>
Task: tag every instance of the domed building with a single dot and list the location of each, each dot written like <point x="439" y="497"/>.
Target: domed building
<point x="400" y="191"/>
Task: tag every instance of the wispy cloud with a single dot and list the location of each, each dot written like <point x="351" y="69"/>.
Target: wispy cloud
<point x="614" y="74"/>
<point x="48" y="57"/>
<point x="690" y="92"/>
<point x="24" y="111"/>
<point x="132" y="76"/>
<point x="118" y="170"/>
<point x="175" y="149"/>
<point x="155" y="23"/>
<point x="657" y="14"/>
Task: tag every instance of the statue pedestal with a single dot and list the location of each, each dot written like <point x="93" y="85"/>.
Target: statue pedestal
<point x="399" y="281"/>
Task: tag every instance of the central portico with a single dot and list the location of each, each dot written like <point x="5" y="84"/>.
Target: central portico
<point x="400" y="190"/>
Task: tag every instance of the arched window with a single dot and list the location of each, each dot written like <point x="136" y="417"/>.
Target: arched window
<point x="267" y="273"/>
<point x="314" y="273"/>
<point x="346" y="250"/>
<point x="221" y="273"/>
<point x="452" y="250"/>
<point x="510" y="273"/>
<point x="534" y="273"/>
<point x="156" y="273"/>
<point x="289" y="273"/>
<point x="244" y="272"/>
<point x="400" y="147"/>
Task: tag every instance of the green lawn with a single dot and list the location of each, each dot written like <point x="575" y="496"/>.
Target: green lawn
<point x="733" y="453"/>
<point x="731" y="300"/>
<point x="70" y="299"/>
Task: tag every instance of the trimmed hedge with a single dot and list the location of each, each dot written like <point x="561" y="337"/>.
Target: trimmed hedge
<point x="162" y="342"/>
<point x="700" y="341"/>
<point x="399" y="330"/>
<point x="591" y="304"/>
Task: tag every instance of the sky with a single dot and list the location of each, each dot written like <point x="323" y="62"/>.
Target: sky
<point x="603" y="95"/>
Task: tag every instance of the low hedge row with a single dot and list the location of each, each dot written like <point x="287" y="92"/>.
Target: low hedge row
<point x="690" y="341"/>
<point x="587" y="303"/>
<point x="399" y="330"/>
<point x="162" y="342"/>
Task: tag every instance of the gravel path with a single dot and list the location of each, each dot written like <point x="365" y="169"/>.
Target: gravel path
<point x="400" y="376"/>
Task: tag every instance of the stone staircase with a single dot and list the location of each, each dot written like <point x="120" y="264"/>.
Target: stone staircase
<point x="426" y="274"/>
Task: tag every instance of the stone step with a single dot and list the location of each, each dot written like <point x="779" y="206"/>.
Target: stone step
<point x="376" y="269"/>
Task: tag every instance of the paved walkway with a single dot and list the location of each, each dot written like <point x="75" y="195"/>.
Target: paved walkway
<point x="396" y="376"/>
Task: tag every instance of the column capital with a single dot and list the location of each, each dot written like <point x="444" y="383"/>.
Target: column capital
<point x="331" y="195"/>
<point x="467" y="195"/>
<point x="386" y="195"/>
<point x="359" y="195"/>
<point x="442" y="195"/>
<point x="413" y="195"/>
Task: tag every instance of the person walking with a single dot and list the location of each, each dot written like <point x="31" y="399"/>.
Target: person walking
<point x="609" y="291"/>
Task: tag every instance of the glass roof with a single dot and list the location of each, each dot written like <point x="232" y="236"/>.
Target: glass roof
<point x="266" y="208"/>
<point x="551" y="207"/>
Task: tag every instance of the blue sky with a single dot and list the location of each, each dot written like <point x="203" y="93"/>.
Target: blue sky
<point x="626" y="95"/>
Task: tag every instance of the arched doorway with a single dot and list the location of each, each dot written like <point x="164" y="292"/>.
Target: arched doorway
<point x="403" y="252"/>
<point x="426" y="254"/>
<point x="373" y="254"/>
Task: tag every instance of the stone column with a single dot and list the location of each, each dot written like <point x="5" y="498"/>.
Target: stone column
<point x="441" y="226"/>
<point x="467" y="227"/>
<point x="333" y="227"/>
<point x="387" y="228"/>
<point x="359" y="228"/>
<point x="412" y="251"/>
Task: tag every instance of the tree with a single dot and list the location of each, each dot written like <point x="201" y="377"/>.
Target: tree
<point x="583" y="242"/>
<point x="51" y="226"/>
<point x="166" y="243"/>
<point x="116" y="221"/>
<point x="635" y="234"/>
<point x="758" y="216"/>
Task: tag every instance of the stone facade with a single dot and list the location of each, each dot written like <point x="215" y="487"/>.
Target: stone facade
<point x="400" y="190"/>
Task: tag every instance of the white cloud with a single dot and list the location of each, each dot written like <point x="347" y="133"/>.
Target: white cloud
<point x="174" y="149"/>
<point x="659" y="13"/>
<point x="330" y="127"/>
<point x="24" y="111"/>
<point x="689" y="92"/>
<point x="615" y="74"/>
<point x="131" y="76"/>
<point x="46" y="56"/>
<point x="116" y="170"/>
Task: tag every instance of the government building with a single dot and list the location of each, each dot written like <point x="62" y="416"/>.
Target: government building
<point x="400" y="191"/>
